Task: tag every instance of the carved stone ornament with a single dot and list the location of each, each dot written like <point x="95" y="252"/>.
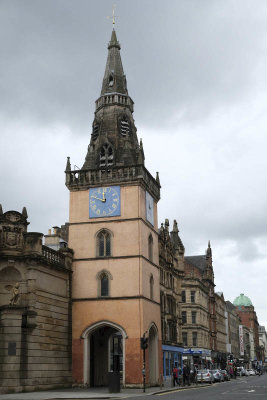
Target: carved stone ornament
<point x="11" y="238"/>
<point x="15" y="295"/>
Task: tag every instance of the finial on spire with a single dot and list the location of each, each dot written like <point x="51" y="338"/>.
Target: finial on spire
<point x="113" y="16"/>
<point x="209" y="252"/>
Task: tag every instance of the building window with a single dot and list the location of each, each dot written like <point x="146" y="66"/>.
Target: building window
<point x="193" y="296"/>
<point x="184" y="318"/>
<point x="183" y="296"/>
<point x="106" y="156"/>
<point x="104" y="277"/>
<point x="104" y="286"/>
<point x="104" y="244"/>
<point x="125" y="126"/>
<point x="194" y="317"/>
<point x="150" y="248"/>
<point x="184" y="338"/>
<point x="194" y="338"/>
<point x="151" y="287"/>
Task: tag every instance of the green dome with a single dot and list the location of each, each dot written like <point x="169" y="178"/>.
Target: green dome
<point x="242" y="300"/>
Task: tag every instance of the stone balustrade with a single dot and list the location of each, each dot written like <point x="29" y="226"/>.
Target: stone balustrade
<point x="115" y="175"/>
<point x="114" y="98"/>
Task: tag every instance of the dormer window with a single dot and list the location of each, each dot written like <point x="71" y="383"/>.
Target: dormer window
<point x="106" y="156"/>
<point x="95" y="132"/>
<point x="125" y="126"/>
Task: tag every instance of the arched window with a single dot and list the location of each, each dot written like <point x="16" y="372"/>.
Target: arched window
<point x="151" y="284"/>
<point x="104" y="286"/>
<point x="106" y="155"/>
<point x="125" y="126"/>
<point x="150" y="248"/>
<point x="103" y="278"/>
<point x="103" y="244"/>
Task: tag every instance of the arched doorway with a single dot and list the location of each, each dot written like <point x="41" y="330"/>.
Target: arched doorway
<point x="153" y="355"/>
<point x="104" y="345"/>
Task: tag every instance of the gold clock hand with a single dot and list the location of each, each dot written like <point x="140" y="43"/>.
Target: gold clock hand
<point x="97" y="198"/>
<point x="104" y="200"/>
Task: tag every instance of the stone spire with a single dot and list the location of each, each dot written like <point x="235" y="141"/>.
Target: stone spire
<point x="114" y="141"/>
<point x="114" y="79"/>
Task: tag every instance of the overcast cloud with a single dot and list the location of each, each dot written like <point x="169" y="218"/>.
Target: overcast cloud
<point x="197" y="73"/>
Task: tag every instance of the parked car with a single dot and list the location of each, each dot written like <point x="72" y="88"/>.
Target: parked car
<point x="240" y="371"/>
<point x="205" y="375"/>
<point x="217" y="375"/>
<point x="251" y="372"/>
<point x="225" y="374"/>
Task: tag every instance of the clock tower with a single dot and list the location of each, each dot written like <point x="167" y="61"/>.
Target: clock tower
<point x="113" y="230"/>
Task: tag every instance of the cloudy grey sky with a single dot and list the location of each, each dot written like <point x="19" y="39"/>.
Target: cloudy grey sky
<point x="196" y="70"/>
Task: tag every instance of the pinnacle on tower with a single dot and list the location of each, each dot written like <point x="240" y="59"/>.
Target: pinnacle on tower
<point x="24" y="212"/>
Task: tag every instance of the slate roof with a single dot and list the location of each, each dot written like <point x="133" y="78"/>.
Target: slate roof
<point x="197" y="261"/>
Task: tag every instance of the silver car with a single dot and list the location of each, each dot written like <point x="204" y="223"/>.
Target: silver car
<point x="205" y="375"/>
<point x="217" y="375"/>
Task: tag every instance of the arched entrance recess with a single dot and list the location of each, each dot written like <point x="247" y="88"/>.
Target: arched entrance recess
<point x="153" y="355"/>
<point x="104" y="350"/>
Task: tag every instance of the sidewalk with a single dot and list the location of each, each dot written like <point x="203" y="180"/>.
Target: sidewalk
<point x="91" y="393"/>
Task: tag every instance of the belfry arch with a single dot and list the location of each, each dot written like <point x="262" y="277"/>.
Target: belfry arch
<point x="103" y="352"/>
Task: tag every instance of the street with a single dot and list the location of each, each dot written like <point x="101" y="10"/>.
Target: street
<point x="249" y="388"/>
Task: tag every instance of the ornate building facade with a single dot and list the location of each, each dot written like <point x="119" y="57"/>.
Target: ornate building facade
<point x="232" y="329"/>
<point x="248" y="317"/>
<point x="198" y="309"/>
<point x="171" y="263"/>
<point x="35" y="309"/>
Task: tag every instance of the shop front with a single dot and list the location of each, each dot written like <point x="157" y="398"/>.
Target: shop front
<point x="201" y="358"/>
<point x="172" y="355"/>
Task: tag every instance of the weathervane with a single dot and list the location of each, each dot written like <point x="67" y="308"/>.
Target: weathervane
<point x="113" y="16"/>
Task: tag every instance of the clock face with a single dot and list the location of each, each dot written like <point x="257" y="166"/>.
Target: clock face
<point x="104" y="202"/>
<point x="149" y="208"/>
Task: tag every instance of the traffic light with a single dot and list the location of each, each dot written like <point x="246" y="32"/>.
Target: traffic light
<point x="144" y="342"/>
<point x="231" y="357"/>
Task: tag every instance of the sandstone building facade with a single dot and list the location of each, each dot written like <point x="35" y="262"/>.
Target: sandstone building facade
<point x="35" y="309"/>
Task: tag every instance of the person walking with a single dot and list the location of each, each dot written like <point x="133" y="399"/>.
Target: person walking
<point x="175" y="375"/>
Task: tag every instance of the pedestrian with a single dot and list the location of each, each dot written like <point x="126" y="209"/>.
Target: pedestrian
<point x="235" y="371"/>
<point x="231" y="372"/>
<point x="175" y="375"/>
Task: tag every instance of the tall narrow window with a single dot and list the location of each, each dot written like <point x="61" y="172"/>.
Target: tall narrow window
<point x="184" y="318"/>
<point x="183" y="296"/>
<point x="150" y="248"/>
<point x="125" y="126"/>
<point x="193" y="296"/>
<point x="184" y="338"/>
<point x="106" y="156"/>
<point x="103" y="244"/>
<point x="151" y="283"/>
<point x="194" y="317"/>
<point x="104" y="290"/>
<point x="194" y="338"/>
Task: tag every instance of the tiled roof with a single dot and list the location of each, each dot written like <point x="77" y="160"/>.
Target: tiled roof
<point x="197" y="261"/>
